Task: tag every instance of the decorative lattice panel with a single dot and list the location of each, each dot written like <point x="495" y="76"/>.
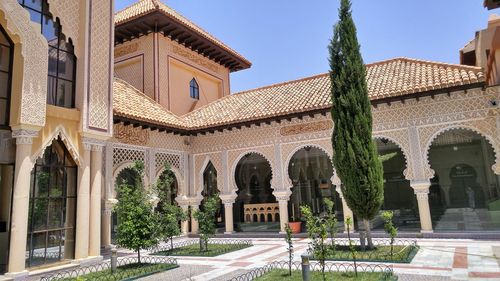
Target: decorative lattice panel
<point x="122" y="155"/>
<point x="173" y="159"/>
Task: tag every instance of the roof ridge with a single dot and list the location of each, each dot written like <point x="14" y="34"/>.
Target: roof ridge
<point x="423" y="62"/>
<point x="282" y="83"/>
<point x="132" y="5"/>
<point x="209" y="36"/>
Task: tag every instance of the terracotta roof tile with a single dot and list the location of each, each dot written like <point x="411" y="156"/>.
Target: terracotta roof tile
<point x="128" y="102"/>
<point x="390" y="78"/>
<point x="386" y="79"/>
<point x="144" y="7"/>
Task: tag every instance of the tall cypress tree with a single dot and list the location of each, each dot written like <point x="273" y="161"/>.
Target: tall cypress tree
<point x="355" y="154"/>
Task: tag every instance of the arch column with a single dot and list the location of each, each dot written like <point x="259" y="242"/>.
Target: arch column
<point x="282" y="196"/>
<point x="345" y="209"/>
<point x="20" y="202"/>
<point x="228" y="200"/>
<point x="95" y="197"/>
<point x="421" y="189"/>
<point x="106" y="222"/>
<point x="83" y="204"/>
<point x="195" y="206"/>
<point x="184" y="204"/>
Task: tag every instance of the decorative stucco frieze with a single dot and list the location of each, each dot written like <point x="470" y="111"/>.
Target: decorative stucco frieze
<point x="194" y="57"/>
<point x="34" y="49"/>
<point x="126" y="49"/>
<point x="306" y="128"/>
<point x="131" y="135"/>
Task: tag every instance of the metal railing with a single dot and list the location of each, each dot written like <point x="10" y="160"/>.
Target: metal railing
<point x="404" y="251"/>
<point x="223" y="246"/>
<point x="157" y="264"/>
<point x="386" y="270"/>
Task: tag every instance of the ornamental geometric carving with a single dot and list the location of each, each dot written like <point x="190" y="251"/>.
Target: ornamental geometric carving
<point x="34" y="49"/>
<point x="125" y="50"/>
<point x="306" y="128"/>
<point x="131" y="135"/>
<point x="68" y="13"/>
<point x="182" y="51"/>
<point x="484" y="127"/>
<point x="100" y="65"/>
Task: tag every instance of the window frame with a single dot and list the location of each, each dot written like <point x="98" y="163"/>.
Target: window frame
<point x="194" y="89"/>
<point x="54" y="93"/>
<point x="47" y="229"/>
<point x="8" y="98"/>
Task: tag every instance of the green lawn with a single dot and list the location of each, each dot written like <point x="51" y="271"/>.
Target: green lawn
<point x="125" y="272"/>
<point x="194" y="250"/>
<point x="282" y="274"/>
<point x="401" y="254"/>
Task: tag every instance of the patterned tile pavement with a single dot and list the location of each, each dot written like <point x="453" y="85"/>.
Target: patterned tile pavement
<point x="438" y="259"/>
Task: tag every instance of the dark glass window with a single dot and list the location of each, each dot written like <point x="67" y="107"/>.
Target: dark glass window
<point x="194" y="89"/>
<point x="62" y="60"/>
<point x="6" y="51"/>
<point x="52" y="207"/>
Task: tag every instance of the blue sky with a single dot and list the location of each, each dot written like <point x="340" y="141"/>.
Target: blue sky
<point x="287" y="39"/>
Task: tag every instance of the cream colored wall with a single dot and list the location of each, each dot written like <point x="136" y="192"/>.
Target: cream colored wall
<point x="134" y="63"/>
<point x="180" y="77"/>
<point x="162" y="69"/>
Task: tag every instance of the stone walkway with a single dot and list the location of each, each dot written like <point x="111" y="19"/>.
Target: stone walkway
<point x="438" y="259"/>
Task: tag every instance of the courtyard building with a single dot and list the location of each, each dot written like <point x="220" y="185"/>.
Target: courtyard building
<point x="84" y="93"/>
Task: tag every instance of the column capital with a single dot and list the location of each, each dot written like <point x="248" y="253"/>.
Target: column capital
<point x="93" y="144"/>
<point x="336" y="180"/>
<point x="282" y="195"/>
<point x="420" y="184"/>
<point x="24" y="136"/>
<point x="228" y="198"/>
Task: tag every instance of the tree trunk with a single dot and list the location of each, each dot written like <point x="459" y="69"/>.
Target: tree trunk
<point x="171" y="243"/>
<point x="368" y="233"/>
<point x="139" y="256"/>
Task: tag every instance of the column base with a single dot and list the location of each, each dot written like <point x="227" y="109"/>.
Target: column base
<point x="22" y="275"/>
<point x="228" y="232"/>
<point x="426" y="231"/>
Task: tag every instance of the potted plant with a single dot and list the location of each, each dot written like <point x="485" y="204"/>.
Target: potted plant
<point x="295" y="225"/>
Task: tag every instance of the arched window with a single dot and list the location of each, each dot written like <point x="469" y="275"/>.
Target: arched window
<point x="6" y="48"/>
<point x="194" y="89"/>
<point x="52" y="207"/>
<point x="62" y="60"/>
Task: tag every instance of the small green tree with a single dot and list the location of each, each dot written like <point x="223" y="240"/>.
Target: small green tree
<point x="206" y="220"/>
<point x="289" y="242"/>
<point x="348" y="223"/>
<point x="317" y="232"/>
<point x="168" y="212"/>
<point x="390" y="228"/>
<point x="138" y="227"/>
<point x="355" y="154"/>
<point x="331" y="221"/>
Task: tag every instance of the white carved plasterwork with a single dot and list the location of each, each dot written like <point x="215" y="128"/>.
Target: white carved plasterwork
<point x="24" y="136"/>
<point x="26" y="34"/>
<point x="458" y="106"/>
<point x="99" y="63"/>
<point x="172" y="158"/>
<point x="200" y="164"/>
<point x="401" y="139"/>
<point x="484" y="127"/>
<point x="128" y="154"/>
<point x="68" y="13"/>
<point x="59" y="132"/>
<point x="289" y="150"/>
<point x="234" y="156"/>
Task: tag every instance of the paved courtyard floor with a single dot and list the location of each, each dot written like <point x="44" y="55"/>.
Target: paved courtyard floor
<point x="438" y="259"/>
